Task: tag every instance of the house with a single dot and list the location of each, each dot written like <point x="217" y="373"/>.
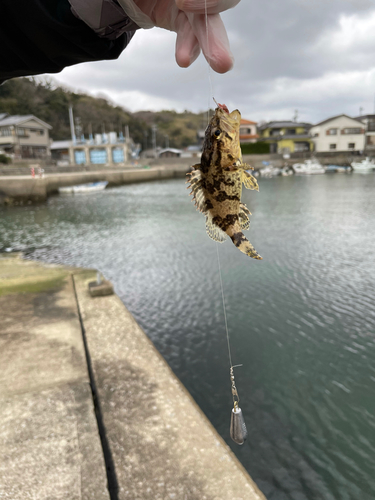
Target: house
<point x="103" y="149"/>
<point x="369" y="122"/>
<point x="248" y="131"/>
<point x="170" y="153"/>
<point x="339" y="133"/>
<point x="286" y="137"/>
<point x="24" y="136"/>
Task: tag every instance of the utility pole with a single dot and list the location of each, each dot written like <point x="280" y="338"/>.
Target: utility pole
<point x="360" y="111"/>
<point x="295" y="117"/>
<point x="154" y="129"/>
<point x="71" y="121"/>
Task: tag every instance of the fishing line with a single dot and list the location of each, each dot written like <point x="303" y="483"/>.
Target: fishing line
<point x="211" y="92"/>
<point x="238" y="431"/>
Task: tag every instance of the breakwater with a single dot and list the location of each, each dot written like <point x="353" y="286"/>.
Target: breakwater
<point x="24" y="189"/>
<point x="89" y="408"/>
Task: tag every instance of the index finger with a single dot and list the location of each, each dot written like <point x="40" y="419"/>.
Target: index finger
<point x="213" y="40"/>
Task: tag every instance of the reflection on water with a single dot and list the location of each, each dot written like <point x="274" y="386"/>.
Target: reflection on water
<point x="302" y="321"/>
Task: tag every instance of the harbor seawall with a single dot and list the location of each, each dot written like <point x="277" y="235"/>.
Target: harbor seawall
<point x="23" y="189"/>
<point x="89" y="409"/>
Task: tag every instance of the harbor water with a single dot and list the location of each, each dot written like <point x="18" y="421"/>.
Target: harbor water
<point x="301" y="321"/>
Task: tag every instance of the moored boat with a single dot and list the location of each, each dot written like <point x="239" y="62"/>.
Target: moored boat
<point x="309" y="167"/>
<point x="337" y="169"/>
<point x="84" y="188"/>
<point x="364" y="166"/>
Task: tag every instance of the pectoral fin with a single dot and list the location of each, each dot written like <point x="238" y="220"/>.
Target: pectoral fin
<point x="249" y="181"/>
<point x="195" y="183"/>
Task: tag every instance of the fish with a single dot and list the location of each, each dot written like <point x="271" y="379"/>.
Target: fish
<point x="216" y="182"/>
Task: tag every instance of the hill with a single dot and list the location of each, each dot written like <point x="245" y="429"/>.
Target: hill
<point x="50" y="103"/>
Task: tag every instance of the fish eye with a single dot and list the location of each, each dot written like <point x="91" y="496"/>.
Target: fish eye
<point x="217" y="132"/>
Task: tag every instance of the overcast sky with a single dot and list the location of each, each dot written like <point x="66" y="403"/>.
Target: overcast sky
<point x="317" y="56"/>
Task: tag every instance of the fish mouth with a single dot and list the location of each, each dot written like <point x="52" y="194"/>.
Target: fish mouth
<point x="229" y="121"/>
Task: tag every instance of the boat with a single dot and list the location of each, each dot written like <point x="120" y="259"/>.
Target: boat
<point x="286" y="171"/>
<point x="269" y="171"/>
<point x="337" y="169"/>
<point x="309" y="167"/>
<point x="84" y="188"/>
<point x="364" y="166"/>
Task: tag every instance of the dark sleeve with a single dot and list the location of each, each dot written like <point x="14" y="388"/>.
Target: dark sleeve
<point x="43" y="36"/>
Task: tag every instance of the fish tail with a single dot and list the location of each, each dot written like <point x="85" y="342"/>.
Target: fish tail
<point x="242" y="243"/>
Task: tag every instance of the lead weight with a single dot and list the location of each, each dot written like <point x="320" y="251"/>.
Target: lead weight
<point x="238" y="431"/>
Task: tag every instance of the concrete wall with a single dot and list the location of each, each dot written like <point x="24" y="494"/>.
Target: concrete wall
<point x="22" y="189"/>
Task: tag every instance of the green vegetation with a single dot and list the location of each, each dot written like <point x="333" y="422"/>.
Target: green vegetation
<point x="50" y="103"/>
<point x="5" y="159"/>
<point x="255" y="148"/>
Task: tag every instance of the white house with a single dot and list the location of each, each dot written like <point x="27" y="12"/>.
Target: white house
<point x="248" y="131"/>
<point x="339" y="133"/>
<point x="25" y="136"/>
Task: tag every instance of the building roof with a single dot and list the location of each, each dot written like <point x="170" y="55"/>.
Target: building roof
<point x="249" y="136"/>
<point x="247" y="122"/>
<point x="364" y="117"/>
<point x="284" y="124"/>
<point x="334" y="118"/>
<point x="61" y="144"/>
<point x="18" y="120"/>
<point x="172" y="150"/>
<point x="3" y="115"/>
<point x="293" y="137"/>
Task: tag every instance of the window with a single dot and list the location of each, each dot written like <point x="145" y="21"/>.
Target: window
<point x="301" y="146"/>
<point x="332" y="146"/>
<point x="316" y="134"/>
<point x="332" y="131"/>
<point x="371" y="126"/>
<point x="291" y="131"/>
<point x="351" y="145"/>
<point x="275" y="131"/>
<point x="5" y="131"/>
<point x="38" y="131"/>
<point x="347" y="131"/>
<point x="21" y="132"/>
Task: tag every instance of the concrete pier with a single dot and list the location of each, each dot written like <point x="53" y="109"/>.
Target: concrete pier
<point x="88" y="407"/>
<point x="22" y="189"/>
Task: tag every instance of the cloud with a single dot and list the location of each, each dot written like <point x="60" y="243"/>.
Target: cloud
<point x="318" y="57"/>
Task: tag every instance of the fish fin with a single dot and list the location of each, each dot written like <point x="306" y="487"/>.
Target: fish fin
<point x="244" y="245"/>
<point x="246" y="166"/>
<point x="195" y="183"/>
<point x="244" y="216"/>
<point x="249" y="181"/>
<point x="214" y="231"/>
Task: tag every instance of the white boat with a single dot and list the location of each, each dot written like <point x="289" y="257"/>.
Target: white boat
<point x="363" y="166"/>
<point x="286" y="171"/>
<point x="269" y="171"/>
<point x="309" y="167"/>
<point x="83" y="188"/>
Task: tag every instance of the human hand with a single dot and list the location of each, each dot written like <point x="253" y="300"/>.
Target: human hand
<point x="187" y="18"/>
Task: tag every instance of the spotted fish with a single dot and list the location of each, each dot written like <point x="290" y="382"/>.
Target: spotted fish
<point x="216" y="182"/>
